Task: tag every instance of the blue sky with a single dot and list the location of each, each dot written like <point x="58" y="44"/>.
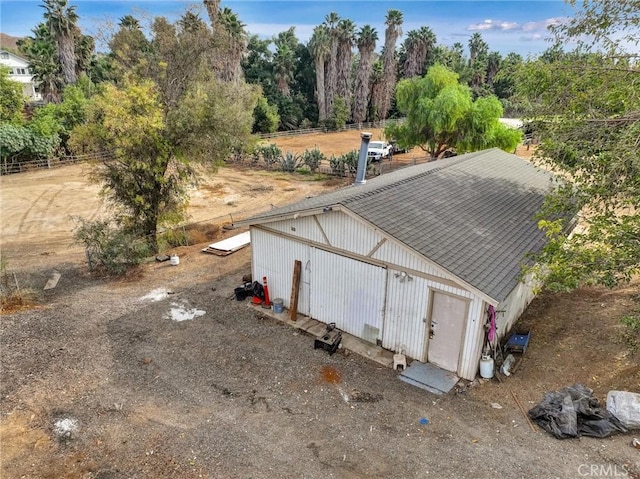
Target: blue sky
<point x="507" y="25"/>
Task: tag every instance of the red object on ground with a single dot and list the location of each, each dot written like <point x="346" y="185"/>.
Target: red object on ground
<point x="256" y="300"/>
<point x="267" y="303"/>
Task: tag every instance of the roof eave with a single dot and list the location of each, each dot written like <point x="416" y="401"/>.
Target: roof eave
<point x="289" y="215"/>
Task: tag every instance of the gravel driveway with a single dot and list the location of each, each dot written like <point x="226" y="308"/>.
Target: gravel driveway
<point x="101" y="383"/>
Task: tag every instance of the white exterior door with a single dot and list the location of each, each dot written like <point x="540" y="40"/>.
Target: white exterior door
<point x="347" y="292"/>
<point x="448" y="315"/>
<point x="406" y="315"/>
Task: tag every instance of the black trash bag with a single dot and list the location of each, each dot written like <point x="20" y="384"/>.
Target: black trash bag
<point x="574" y="411"/>
<point x="257" y="290"/>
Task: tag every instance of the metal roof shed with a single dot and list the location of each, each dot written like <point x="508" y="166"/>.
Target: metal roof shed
<point x="412" y="259"/>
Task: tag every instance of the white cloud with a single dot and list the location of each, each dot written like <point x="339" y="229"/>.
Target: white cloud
<point x="493" y="25"/>
<point x="504" y="26"/>
<point x="532" y="38"/>
<point x="543" y="24"/>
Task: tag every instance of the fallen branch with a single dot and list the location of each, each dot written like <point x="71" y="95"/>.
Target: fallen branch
<point x="526" y="416"/>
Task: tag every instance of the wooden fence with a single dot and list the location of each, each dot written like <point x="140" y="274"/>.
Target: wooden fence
<point x="351" y="126"/>
<point x="11" y="166"/>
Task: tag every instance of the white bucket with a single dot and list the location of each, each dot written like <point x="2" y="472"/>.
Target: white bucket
<point x="175" y="260"/>
<point x="486" y="367"/>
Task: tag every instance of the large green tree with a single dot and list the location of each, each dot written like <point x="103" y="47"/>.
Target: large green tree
<point x="61" y="20"/>
<point x="393" y="21"/>
<point x="143" y="179"/>
<point x="586" y="111"/>
<point x="152" y="144"/>
<point x="331" y="84"/>
<point x="346" y="37"/>
<point x="366" y="41"/>
<point x="231" y="44"/>
<point x="416" y="49"/>
<point x="130" y="48"/>
<point x="284" y="59"/>
<point x="320" y="48"/>
<point x="440" y="115"/>
<point x="40" y="50"/>
<point x="11" y="98"/>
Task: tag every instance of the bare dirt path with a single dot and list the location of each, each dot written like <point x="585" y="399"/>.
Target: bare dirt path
<point x="37" y="207"/>
<point x="100" y="381"/>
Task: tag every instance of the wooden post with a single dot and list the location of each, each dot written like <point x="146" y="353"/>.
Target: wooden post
<point x="295" y="289"/>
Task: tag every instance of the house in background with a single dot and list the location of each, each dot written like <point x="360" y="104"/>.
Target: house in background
<point x="19" y="72"/>
<point x="413" y="259"/>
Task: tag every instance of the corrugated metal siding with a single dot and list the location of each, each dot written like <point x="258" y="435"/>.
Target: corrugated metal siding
<point x="304" y="227"/>
<point x="273" y="257"/>
<point x="347" y="292"/>
<point x="473" y="340"/>
<point x="360" y="238"/>
<point x="514" y="305"/>
<point x="348" y="234"/>
<point x="392" y="253"/>
<point x="405" y="309"/>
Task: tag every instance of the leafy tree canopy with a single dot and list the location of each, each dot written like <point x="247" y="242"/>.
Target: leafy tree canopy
<point x="11" y="98"/>
<point x="143" y="179"/>
<point x="586" y="110"/>
<point x="440" y="114"/>
<point x="151" y="148"/>
<point x="265" y="116"/>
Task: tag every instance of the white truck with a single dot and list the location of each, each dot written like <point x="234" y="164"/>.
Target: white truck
<point x="379" y="150"/>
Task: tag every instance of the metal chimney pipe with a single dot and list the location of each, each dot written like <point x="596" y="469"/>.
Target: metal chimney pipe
<point x="362" y="158"/>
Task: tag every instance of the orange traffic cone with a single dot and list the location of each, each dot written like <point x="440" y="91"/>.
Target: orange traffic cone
<point x="267" y="303"/>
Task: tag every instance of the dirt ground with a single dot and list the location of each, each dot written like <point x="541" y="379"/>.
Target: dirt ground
<point x="100" y="380"/>
<point x="346" y="141"/>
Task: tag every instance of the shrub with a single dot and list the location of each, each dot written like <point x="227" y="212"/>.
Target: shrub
<point x="13" y="295"/>
<point x="109" y="246"/>
<point x="313" y="158"/>
<point x="337" y="165"/>
<point x="271" y="154"/>
<point x="290" y="162"/>
<point x="350" y="161"/>
<point x="339" y="117"/>
<point x="631" y="332"/>
<point x="172" y="238"/>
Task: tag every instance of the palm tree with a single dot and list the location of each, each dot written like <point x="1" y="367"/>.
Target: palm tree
<point x="477" y="46"/>
<point x="319" y="46"/>
<point x="389" y="62"/>
<point x="417" y="46"/>
<point x="212" y="7"/>
<point x="331" y="22"/>
<point x="346" y="33"/>
<point x="84" y="49"/>
<point x="494" y="60"/>
<point x="40" y="50"/>
<point x="61" y="20"/>
<point x="129" y="22"/>
<point x="478" y="49"/>
<point x="284" y="60"/>
<point x="190" y="22"/>
<point x="129" y="48"/>
<point x="366" y="41"/>
<point x="235" y="39"/>
<point x="377" y="91"/>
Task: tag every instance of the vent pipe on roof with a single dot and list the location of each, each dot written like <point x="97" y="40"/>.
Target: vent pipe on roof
<point x="362" y="158"/>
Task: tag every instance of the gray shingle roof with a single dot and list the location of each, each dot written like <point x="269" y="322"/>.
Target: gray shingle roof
<point x="473" y="214"/>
